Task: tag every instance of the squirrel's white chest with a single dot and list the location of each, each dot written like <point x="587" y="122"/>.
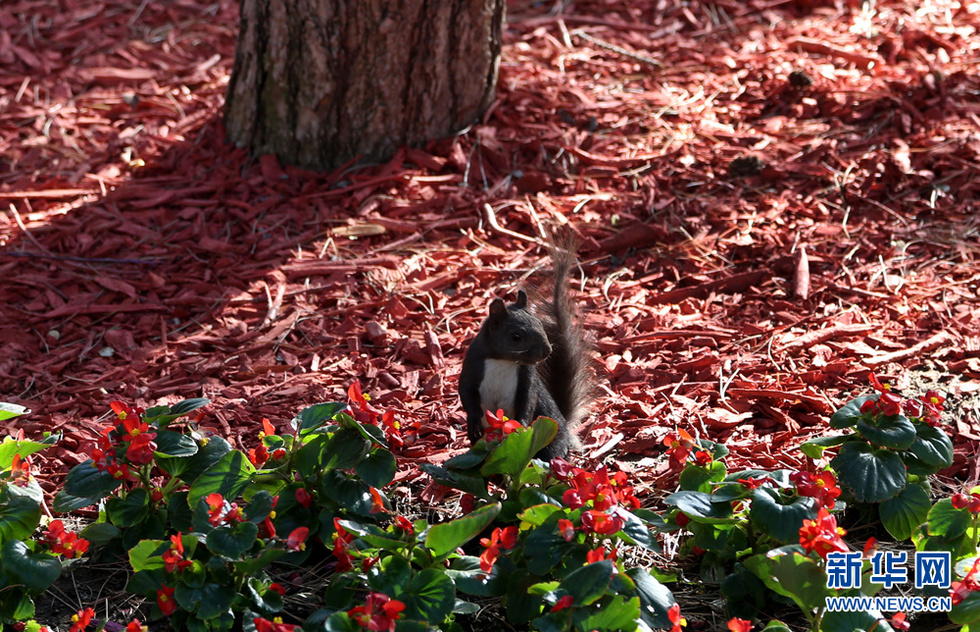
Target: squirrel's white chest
<point x="498" y="390"/>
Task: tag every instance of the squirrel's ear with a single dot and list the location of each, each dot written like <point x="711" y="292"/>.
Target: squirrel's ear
<point x="521" y="299"/>
<point x="498" y="309"/>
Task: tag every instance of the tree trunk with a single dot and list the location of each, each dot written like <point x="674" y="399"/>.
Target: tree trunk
<point x="319" y="82"/>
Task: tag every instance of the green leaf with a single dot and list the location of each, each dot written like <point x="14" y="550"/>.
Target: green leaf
<point x="84" y="482"/>
<point x="814" y="447"/>
<point x="967" y="611"/>
<point x="700" y="477"/>
<point x="445" y="538"/>
<point x="228" y="477"/>
<point x="618" y="614"/>
<point x="779" y="520"/>
<point x="699" y="507"/>
<point x="232" y="542"/>
<point x="253" y="564"/>
<point x="932" y="446"/>
<point x="467" y="483"/>
<point x="9" y="411"/>
<point x="129" y="510"/>
<point x="851" y="620"/>
<point x="792" y="575"/>
<point x="100" y="533"/>
<point x="895" y="432"/>
<point x="309" y="419"/>
<point x="903" y="513"/>
<point x="175" y="444"/>
<point x="349" y="492"/>
<point x="147" y="554"/>
<point x="19" y="515"/>
<point x="588" y="583"/>
<point x="518" y="448"/>
<point x="947" y="521"/>
<point x="849" y="414"/>
<point x="537" y="514"/>
<point x="655" y="598"/>
<point x="430" y="596"/>
<point x="871" y="475"/>
<point x="161" y="416"/>
<point x="208" y="601"/>
<point x="340" y="450"/>
<point x="35" y="571"/>
<point x="10" y="446"/>
<point x="259" y="507"/>
<point x="378" y="468"/>
<point x="146" y="583"/>
<point x="635" y="531"/>
<point x="189" y="468"/>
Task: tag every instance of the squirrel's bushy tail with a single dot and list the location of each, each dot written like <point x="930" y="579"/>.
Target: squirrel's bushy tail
<point x="568" y="370"/>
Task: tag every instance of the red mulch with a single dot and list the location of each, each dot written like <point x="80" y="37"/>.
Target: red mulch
<point x="773" y="196"/>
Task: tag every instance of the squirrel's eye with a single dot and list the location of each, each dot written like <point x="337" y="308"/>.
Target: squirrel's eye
<point x="516" y="336"/>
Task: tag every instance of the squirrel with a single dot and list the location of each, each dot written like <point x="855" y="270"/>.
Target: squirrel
<point x="530" y="366"/>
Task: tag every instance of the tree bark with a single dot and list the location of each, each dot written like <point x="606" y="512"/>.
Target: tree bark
<point x="319" y="82"/>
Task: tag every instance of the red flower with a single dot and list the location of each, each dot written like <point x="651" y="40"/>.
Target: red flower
<point x="404" y="524"/>
<point x="889" y="404"/>
<point x="682" y="519"/>
<point x="466" y="502"/>
<point x="597" y="555"/>
<point x="341" y="542"/>
<point x="869" y="548"/>
<point x="141" y="448"/>
<point x="753" y="483"/>
<point x="276" y="625"/>
<point x="361" y="410"/>
<point x="960" y="500"/>
<point x="124" y="411"/>
<point x="20" y="470"/>
<point x="377" y="502"/>
<point x="601" y="523"/>
<point x="81" y="620"/>
<point x="566" y="529"/>
<point x="702" y="458"/>
<point x="379" y="612"/>
<point x="561" y="604"/>
<point x="136" y="626"/>
<point x="303" y="497"/>
<point x="278" y="589"/>
<point x="258" y="455"/>
<point x="739" y="625"/>
<point x="63" y="542"/>
<point x="267" y="428"/>
<point x="173" y="558"/>
<point x="898" y="621"/>
<point x="165" y="600"/>
<point x="297" y="539"/>
<point x="822" y="535"/>
<point x="823" y="486"/>
<point x="676" y="620"/>
<point x="221" y="511"/>
<point x="500" y="425"/>
<point x="680" y="446"/>
<point x="500" y="538"/>
<point x="878" y="386"/>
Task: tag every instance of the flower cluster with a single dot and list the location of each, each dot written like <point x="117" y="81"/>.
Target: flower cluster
<point x="128" y="443"/>
<point x="505" y="538"/>
<point x="958" y="591"/>
<point x="398" y="433"/>
<point x="822" y="535"/>
<point x="63" y="542"/>
<point x="928" y="408"/>
<point x="275" y="625"/>
<point x="259" y="455"/>
<point x="378" y="613"/>
<point x="971" y="502"/>
<point x="165" y="600"/>
<point x="680" y="445"/>
<point x="341" y="545"/>
<point x="81" y="620"/>
<point x="823" y="487"/>
<point x="221" y="512"/>
<point x="173" y="558"/>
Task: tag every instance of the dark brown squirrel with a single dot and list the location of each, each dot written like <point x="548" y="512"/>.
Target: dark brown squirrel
<point x="530" y="366"/>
